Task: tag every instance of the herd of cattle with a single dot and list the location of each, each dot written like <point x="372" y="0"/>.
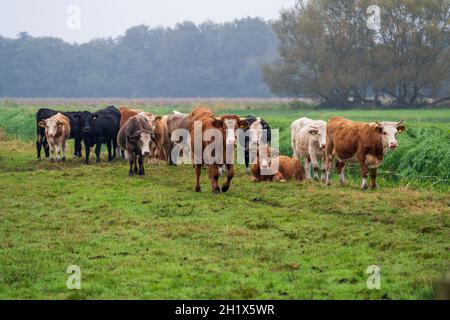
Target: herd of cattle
<point x="135" y="134"/>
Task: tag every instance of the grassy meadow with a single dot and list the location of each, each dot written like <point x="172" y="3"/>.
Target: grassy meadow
<point x="152" y="237"/>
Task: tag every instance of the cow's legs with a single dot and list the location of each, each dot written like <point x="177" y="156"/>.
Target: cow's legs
<point x="198" y="172"/>
<point x="77" y="151"/>
<point x="230" y="175"/>
<point x="141" y="165"/>
<point x="214" y="174"/>
<point x="58" y="150"/>
<point x="115" y="148"/>
<point x="98" y="148"/>
<point x="324" y="170"/>
<point x="88" y="152"/>
<point x="315" y="165"/>
<point x="308" y="168"/>
<point x="340" y="168"/>
<point x="108" y="146"/>
<point x="46" y="147"/>
<point x="51" y="149"/>
<point x="63" y="151"/>
<point x="38" y="145"/>
<point x="278" y="177"/>
<point x="247" y="158"/>
<point x="364" y="175"/>
<point x="373" y="178"/>
<point x="131" y="162"/>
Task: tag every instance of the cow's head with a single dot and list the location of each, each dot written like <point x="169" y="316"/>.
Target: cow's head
<point x="319" y="134"/>
<point x="229" y="124"/>
<point x="388" y="131"/>
<point x="142" y="139"/>
<point x="87" y="121"/>
<point x="51" y="126"/>
<point x="259" y="131"/>
<point x="151" y="119"/>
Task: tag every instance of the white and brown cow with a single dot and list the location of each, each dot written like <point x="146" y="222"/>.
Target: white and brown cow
<point x="159" y="148"/>
<point x="308" y="140"/>
<point x="360" y="142"/>
<point x="57" y="131"/>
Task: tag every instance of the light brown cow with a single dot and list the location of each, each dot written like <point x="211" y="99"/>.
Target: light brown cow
<point x="268" y="167"/>
<point x="57" y="131"/>
<point x="126" y="113"/>
<point x="360" y="142"/>
<point x="159" y="147"/>
<point x="201" y="121"/>
<point x="175" y="121"/>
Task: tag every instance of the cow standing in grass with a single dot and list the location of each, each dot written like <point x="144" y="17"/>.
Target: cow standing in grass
<point x="159" y="150"/>
<point x="135" y="137"/>
<point x="57" y="131"/>
<point x="259" y="133"/>
<point x="360" y="142"/>
<point x="175" y="121"/>
<point x="204" y="123"/>
<point x="308" y="141"/>
<point x="75" y="131"/>
<point x="101" y="127"/>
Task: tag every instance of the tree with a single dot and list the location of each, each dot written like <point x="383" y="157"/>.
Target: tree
<point x="328" y="52"/>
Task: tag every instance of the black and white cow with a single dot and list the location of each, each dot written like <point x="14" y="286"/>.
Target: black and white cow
<point x="98" y="128"/>
<point x="257" y="132"/>
<point x="75" y="132"/>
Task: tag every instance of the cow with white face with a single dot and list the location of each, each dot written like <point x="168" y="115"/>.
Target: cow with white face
<point x="135" y="137"/>
<point x="360" y="142"/>
<point x="389" y="132"/>
<point x="258" y="133"/>
<point x="57" y="131"/>
<point x="308" y="140"/>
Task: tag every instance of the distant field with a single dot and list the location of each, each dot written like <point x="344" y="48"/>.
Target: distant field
<point x="154" y="238"/>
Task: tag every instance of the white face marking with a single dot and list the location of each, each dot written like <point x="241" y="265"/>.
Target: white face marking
<point x="230" y="124"/>
<point x="320" y="137"/>
<point x="51" y="127"/>
<point x="145" y="143"/>
<point x="388" y="136"/>
<point x="256" y="131"/>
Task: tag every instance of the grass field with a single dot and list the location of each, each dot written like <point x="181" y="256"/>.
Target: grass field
<point x="154" y="238"/>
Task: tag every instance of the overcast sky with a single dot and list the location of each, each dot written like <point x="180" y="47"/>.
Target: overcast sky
<point x="104" y="18"/>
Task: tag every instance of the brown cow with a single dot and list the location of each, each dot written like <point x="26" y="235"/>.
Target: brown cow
<point x="126" y="113"/>
<point x="135" y="137"/>
<point x="364" y="143"/>
<point x="278" y="169"/>
<point x="175" y="121"/>
<point x="159" y="148"/>
<point x="201" y="120"/>
<point x="57" y="131"/>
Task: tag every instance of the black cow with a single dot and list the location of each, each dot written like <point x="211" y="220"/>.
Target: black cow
<point x="261" y="133"/>
<point x="100" y="127"/>
<point x="75" y="131"/>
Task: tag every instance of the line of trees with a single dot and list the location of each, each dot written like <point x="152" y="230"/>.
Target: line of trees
<point x="327" y="51"/>
<point x="189" y="60"/>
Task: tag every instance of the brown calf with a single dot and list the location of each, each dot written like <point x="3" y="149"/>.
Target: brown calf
<point x="278" y="169"/>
